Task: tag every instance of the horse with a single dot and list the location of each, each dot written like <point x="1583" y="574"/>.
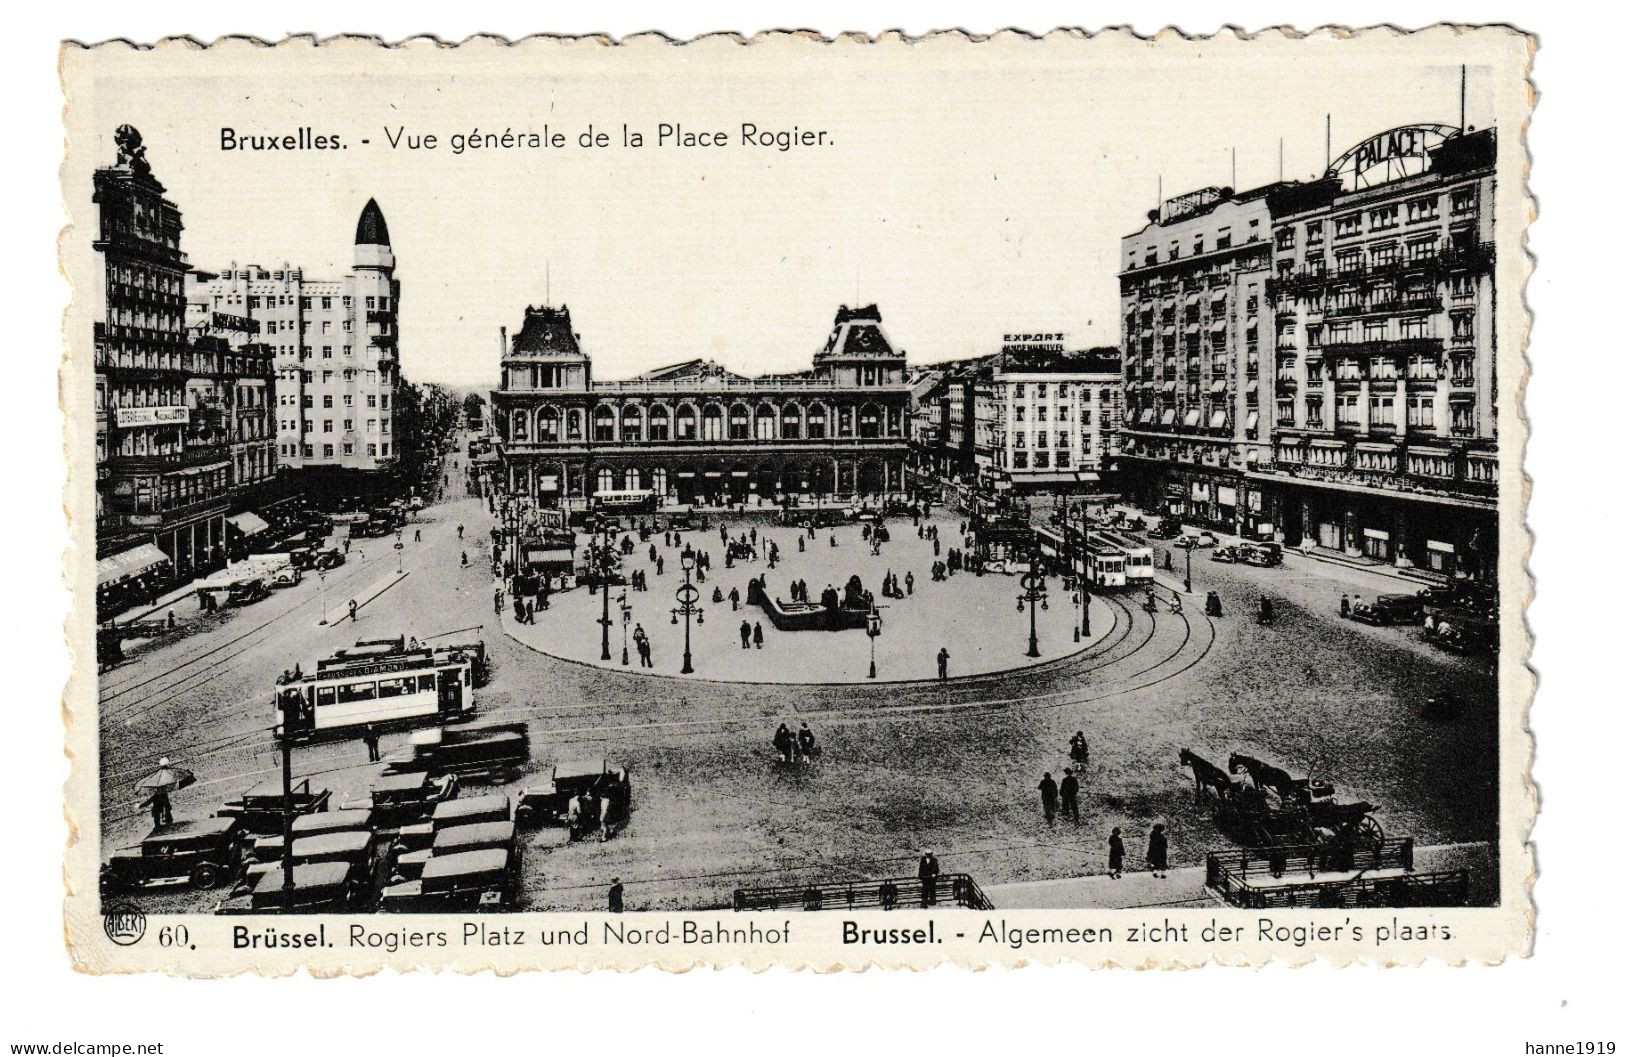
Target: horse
<point x="1291" y="790"/>
<point x="1207" y="775"/>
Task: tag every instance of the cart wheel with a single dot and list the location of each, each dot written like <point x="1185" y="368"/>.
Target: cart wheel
<point x="1369" y="832"/>
<point x="206" y="875"/>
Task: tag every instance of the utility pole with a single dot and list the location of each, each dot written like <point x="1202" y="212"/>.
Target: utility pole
<point x="287" y="791"/>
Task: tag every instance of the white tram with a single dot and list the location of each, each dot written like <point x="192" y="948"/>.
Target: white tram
<point x="383" y="682"/>
<point x="1118" y="561"/>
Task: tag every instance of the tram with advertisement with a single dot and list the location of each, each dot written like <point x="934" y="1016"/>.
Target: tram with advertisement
<point x="382" y="683"/>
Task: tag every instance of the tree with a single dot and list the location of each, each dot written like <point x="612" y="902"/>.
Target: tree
<point x="474" y="410"/>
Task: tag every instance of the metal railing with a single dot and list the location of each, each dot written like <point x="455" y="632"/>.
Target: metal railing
<point x="898" y="893"/>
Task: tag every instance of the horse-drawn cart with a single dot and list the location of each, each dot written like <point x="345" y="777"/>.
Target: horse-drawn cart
<point x="1271" y="809"/>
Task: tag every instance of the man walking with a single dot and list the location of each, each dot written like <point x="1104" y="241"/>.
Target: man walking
<point x="908" y="581"/>
<point x="1069" y="796"/>
<point x="1047" y="795"/>
<point x="1156" y="852"/>
<point x="496" y="598"/>
<point x="1114" y="854"/>
<point x="756" y="634"/>
<point x="942" y="663"/>
<point x="733" y="598"/>
<point x="617" y="896"/>
<point x="369" y="738"/>
<point x="1343" y="606"/>
<point x="744" y="634"/>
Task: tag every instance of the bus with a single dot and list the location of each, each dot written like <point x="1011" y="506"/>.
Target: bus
<point x="1118" y="561"/>
<point x="380" y="683"/>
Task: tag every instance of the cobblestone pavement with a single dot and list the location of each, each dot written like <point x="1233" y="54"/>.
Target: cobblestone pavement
<point x="953" y="767"/>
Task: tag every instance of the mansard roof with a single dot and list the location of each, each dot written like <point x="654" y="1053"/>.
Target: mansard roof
<point x="546" y="332"/>
<point x="858" y="333"/>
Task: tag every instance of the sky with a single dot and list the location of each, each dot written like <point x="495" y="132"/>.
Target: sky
<point x="968" y="190"/>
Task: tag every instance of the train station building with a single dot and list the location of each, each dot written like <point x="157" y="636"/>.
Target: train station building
<point x="696" y="432"/>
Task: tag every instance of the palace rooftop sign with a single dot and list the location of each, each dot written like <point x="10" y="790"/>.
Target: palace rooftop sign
<point x="1391" y="155"/>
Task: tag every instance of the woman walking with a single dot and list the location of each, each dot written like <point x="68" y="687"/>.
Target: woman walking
<point x="1115" y="855"/>
<point x="1156" y="852"/>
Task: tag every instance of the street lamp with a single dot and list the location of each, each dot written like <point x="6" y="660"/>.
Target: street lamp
<point x="626" y="620"/>
<point x="1031" y="597"/>
<point x="687" y="596"/>
<point x="1188" y="569"/>
<point x="873" y="631"/>
<point x="603" y="578"/>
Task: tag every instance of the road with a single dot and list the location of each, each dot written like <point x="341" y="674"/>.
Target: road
<point x="952" y="767"/>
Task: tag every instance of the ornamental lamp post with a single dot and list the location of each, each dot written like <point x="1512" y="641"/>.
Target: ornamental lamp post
<point x="1033" y="595"/>
<point x="687" y="596"/>
<point x="873" y="630"/>
<point x="1188" y="569"/>
<point x="603" y="577"/>
<point x="626" y="620"/>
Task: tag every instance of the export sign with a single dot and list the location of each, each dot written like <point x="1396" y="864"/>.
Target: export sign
<point x="152" y="416"/>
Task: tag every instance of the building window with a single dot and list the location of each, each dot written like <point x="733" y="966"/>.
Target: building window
<point x="766" y="427"/>
<point x="603" y="425"/>
<point x="606" y="480"/>
<point x="1419" y="412"/>
<point x="632" y="425"/>
<point x="1346" y="226"/>
<point x="1222" y="241"/>
<point x="1382" y="412"/>
<point x="817" y="423"/>
<point x="1384" y="218"/>
<point x="573" y="426"/>
<point x="739" y="422"/>
<point x="1464" y="200"/>
<point x="1421" y="209"/>
<point x="521" y="426"/>
<point x="1462" y="417"/>
<point x="547" y="425"/>
<point x="711" y="422"/>
<point x="327" y="451"/>
<point x="687" y="423"/>
<point x="659" y="424"/>
<point x="791" y="422"/>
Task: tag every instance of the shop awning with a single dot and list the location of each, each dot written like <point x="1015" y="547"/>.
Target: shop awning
<point x="1219" y="420"/>
<point x="119" y="567"/>
<point x="248" y="523"/>
<point x="1168" y="387"/>
<point x="1168" y="417"/>
<point x="1252" y="420"/>
<point x="549" y="556"/>
<point x="1217" y="324"/>
<point x="1217" y="387"/>
<point x="1192" y="417"/>
<point x="1146" y="416"/>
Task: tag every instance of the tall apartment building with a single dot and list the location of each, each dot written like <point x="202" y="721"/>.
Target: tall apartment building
<point x="1052" y="413"/>
<point x="163" y="463"/>
<point x="336" y="349"/>
<point x="1316" y="361"/>
<point x="1386" y="392"/>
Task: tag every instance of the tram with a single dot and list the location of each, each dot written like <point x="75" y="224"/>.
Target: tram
<point x="381" y="683"/>
<point x="1117" y="561"/>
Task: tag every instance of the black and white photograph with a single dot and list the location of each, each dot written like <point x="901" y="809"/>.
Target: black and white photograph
<point x="813" y="500"/>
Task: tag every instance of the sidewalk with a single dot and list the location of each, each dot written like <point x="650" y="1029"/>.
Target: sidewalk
<point x="1187" y="886"/>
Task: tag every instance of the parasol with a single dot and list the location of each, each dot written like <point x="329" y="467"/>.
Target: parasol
<point x="167" y="778"/>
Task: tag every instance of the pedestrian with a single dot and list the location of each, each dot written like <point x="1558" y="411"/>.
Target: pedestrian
<point x="756" y="634"/>
<point x="660" y="565"/>
<point x="1156" y="852"/>
<point x="162" y="814"/>
<point x="1047" y="796"/>
<point x="496" y="598"/>
<point x="744" y="634"/>
<point x="653" y="554"/>
<point x="942" y="663"/>
<point x="1114" y="855"/>
<point x="459" y="532"/>
<point x="346" y="545"/>
<point x="908" y="581"/>
<point x="518" y="609"/>
<point x="936" y="546"/>
<point x="733" y="598"/>
<point x="353" y="608"/>
<point x="530" y="611"/>
<point x="801" y="544"/>
<point x="668" y="537"/>
<point x="929" y="869"/>
<point x="417" y="535"/>
<point x="617" y="896"/>
<point x="1069" y="796"/>
<point x="369" y="738"/>
<point x="1343" y="606"/>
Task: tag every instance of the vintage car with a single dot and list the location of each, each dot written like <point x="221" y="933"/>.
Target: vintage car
<point x="408" y="865"/>
<point x="318" y="888"/>
<point x="269" y="848"/>
<point x="247" y="592"/>
<point x="494" y="753"/>
<point x="202" y="853"/>
<point x="549" y="804"/>
<point x="1389" y="609"/>
<point x="1460" y="631"/>
<point x="468" y="881"/>
<point x="357" y="847"/>
<point x="1166" y="529"/>
<point x="401" y="799"/>
<point x="463" y="811"/>
<point x="260" y="809"/>
<point x="327" y="558"/>
<point x="1223" y="555"/>
<point x="1263" y="554"/>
